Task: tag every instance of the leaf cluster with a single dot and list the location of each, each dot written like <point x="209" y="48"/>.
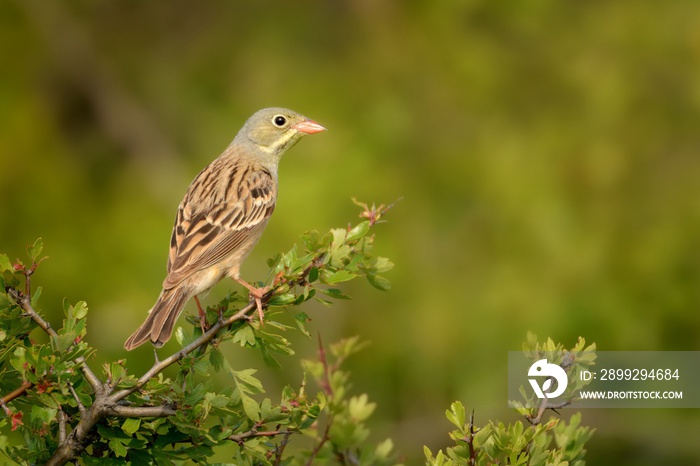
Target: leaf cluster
<point x="64" y="412"/>
<point x="554" y="443"/>
<point x="573" y="360"/>
<point x="551" y="443"/>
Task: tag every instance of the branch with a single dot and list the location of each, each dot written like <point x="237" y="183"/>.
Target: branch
<point x="326" y="381"/>
<point x="90" y="376"/>
<point x="472" y="432"/>
<point x="78" y="403"/>
<point x="159" y="366"/>
<point x="61" y="425"/>
<point x="240" y="438"/>
<point x="280" y="448"/>
<point x="74" y="442"/>
<point x="106" y="402"/>
<point x="326" y="437"/>
<point x="109" y="401"/>
<point x="21" y="390"/>
<point x="143" y="411"/>
<point x="25" y="303"/>
<point x="544" y="406"/>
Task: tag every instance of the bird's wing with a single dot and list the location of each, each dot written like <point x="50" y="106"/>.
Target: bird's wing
<point x="207" y="232"/>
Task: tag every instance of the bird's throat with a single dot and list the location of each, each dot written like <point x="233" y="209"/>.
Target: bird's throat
<point x="282" y="144"/>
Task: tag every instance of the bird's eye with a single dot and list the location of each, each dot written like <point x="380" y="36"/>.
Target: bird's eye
<point x="279" y="121"/>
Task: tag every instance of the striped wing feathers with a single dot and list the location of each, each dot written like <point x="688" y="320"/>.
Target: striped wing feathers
<point x="224" y="207"/>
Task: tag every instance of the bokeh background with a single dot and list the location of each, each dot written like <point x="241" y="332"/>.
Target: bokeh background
<point x="547" y="153"/>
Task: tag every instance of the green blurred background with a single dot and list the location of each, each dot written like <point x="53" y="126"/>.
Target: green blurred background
<point x="548" y="155"/>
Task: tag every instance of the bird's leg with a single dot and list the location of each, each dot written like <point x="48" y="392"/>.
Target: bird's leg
<point x="202" y="315"/>
<point x="256" y="293"/>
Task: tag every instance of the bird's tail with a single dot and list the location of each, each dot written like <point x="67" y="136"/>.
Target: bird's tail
<point x="158" y="326"/>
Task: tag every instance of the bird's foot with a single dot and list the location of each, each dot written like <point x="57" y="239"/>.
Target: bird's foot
<point x="257" y="294"/>
<point x="202" y="316"/>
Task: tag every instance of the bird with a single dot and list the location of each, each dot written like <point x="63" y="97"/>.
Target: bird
<point x="221" y="218"/>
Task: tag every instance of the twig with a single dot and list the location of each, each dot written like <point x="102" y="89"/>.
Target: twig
<point x="90" y="376"/>
<point x="25" y="303"/>
<point x="326" y="382"/>
<point x="159" y="366"/>
<point x="81" y="408"/>
<point x="324" y="439"/>
<point x="240" y="438"/>
<point x="143" y="411"/>
<point x="326" y="385"/>
<point x="472" y="432"/>
<point x="280" y="448"/>
<point x="106" y="401"/>
<point x="4" y="407"/>
<point x="374" y="213"/>
<point x="61" y="415"/>
<point x="544" y="406"/>
<point x="28" y="281"/>
<point x="21" y="390"/>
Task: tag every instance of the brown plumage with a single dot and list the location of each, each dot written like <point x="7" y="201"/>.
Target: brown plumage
<point x="222" y="216"/>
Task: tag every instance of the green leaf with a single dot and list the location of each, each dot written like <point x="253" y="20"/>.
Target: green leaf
<point x="313" y="275"/>
<point x="379" y="282"/>
<point x="482" y="435"/>
<point x="338" y="277"/>
<point x="5" y="263"/>
<point x="334" y="293"/>
<point x="244" y="336"/>
<point x="179" y="335"/>
<point x="89" y="461"/>
<point x="383" y="450"/>
<point x="359" y="407"/>
<point x="35" y="249"/>
<point x="268" y="358"/>
<point x="246" y="376"/>
<point x="19" y="362"/>
<point x="282" y="299"/>
<point x="301" y="319"/>
<point x="138" y="457"/>
<point x="325" y="302"/>
<point x="80" y="310"/>
<point x="117" y="447"/>
<point x="338" y="237"/>
<point x="216" y="401"/>
<point x="380" y="265"/>
<point x="131" y="425"/>
<point x="35" y="296"/>
<point x="251" y="408"/>
<point x="456" y="414"/>
<point x="358" y="231"/>
<point x="216" y="358"/>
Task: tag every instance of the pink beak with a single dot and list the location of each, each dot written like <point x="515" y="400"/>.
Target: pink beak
<point x="308" y="127"/>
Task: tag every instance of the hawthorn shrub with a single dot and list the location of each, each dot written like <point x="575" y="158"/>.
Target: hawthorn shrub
<point x="63" y="410"/>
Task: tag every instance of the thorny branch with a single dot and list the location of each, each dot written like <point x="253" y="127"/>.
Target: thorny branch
<point x="110" y="402"/>
<point x="240" y="438"/>
<point x="326" y="386"/>
<point x="546" y="404"/>
<point x="106" y="400"/>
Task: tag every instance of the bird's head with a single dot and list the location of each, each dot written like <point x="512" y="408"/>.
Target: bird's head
<point x="274" y="130"/>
